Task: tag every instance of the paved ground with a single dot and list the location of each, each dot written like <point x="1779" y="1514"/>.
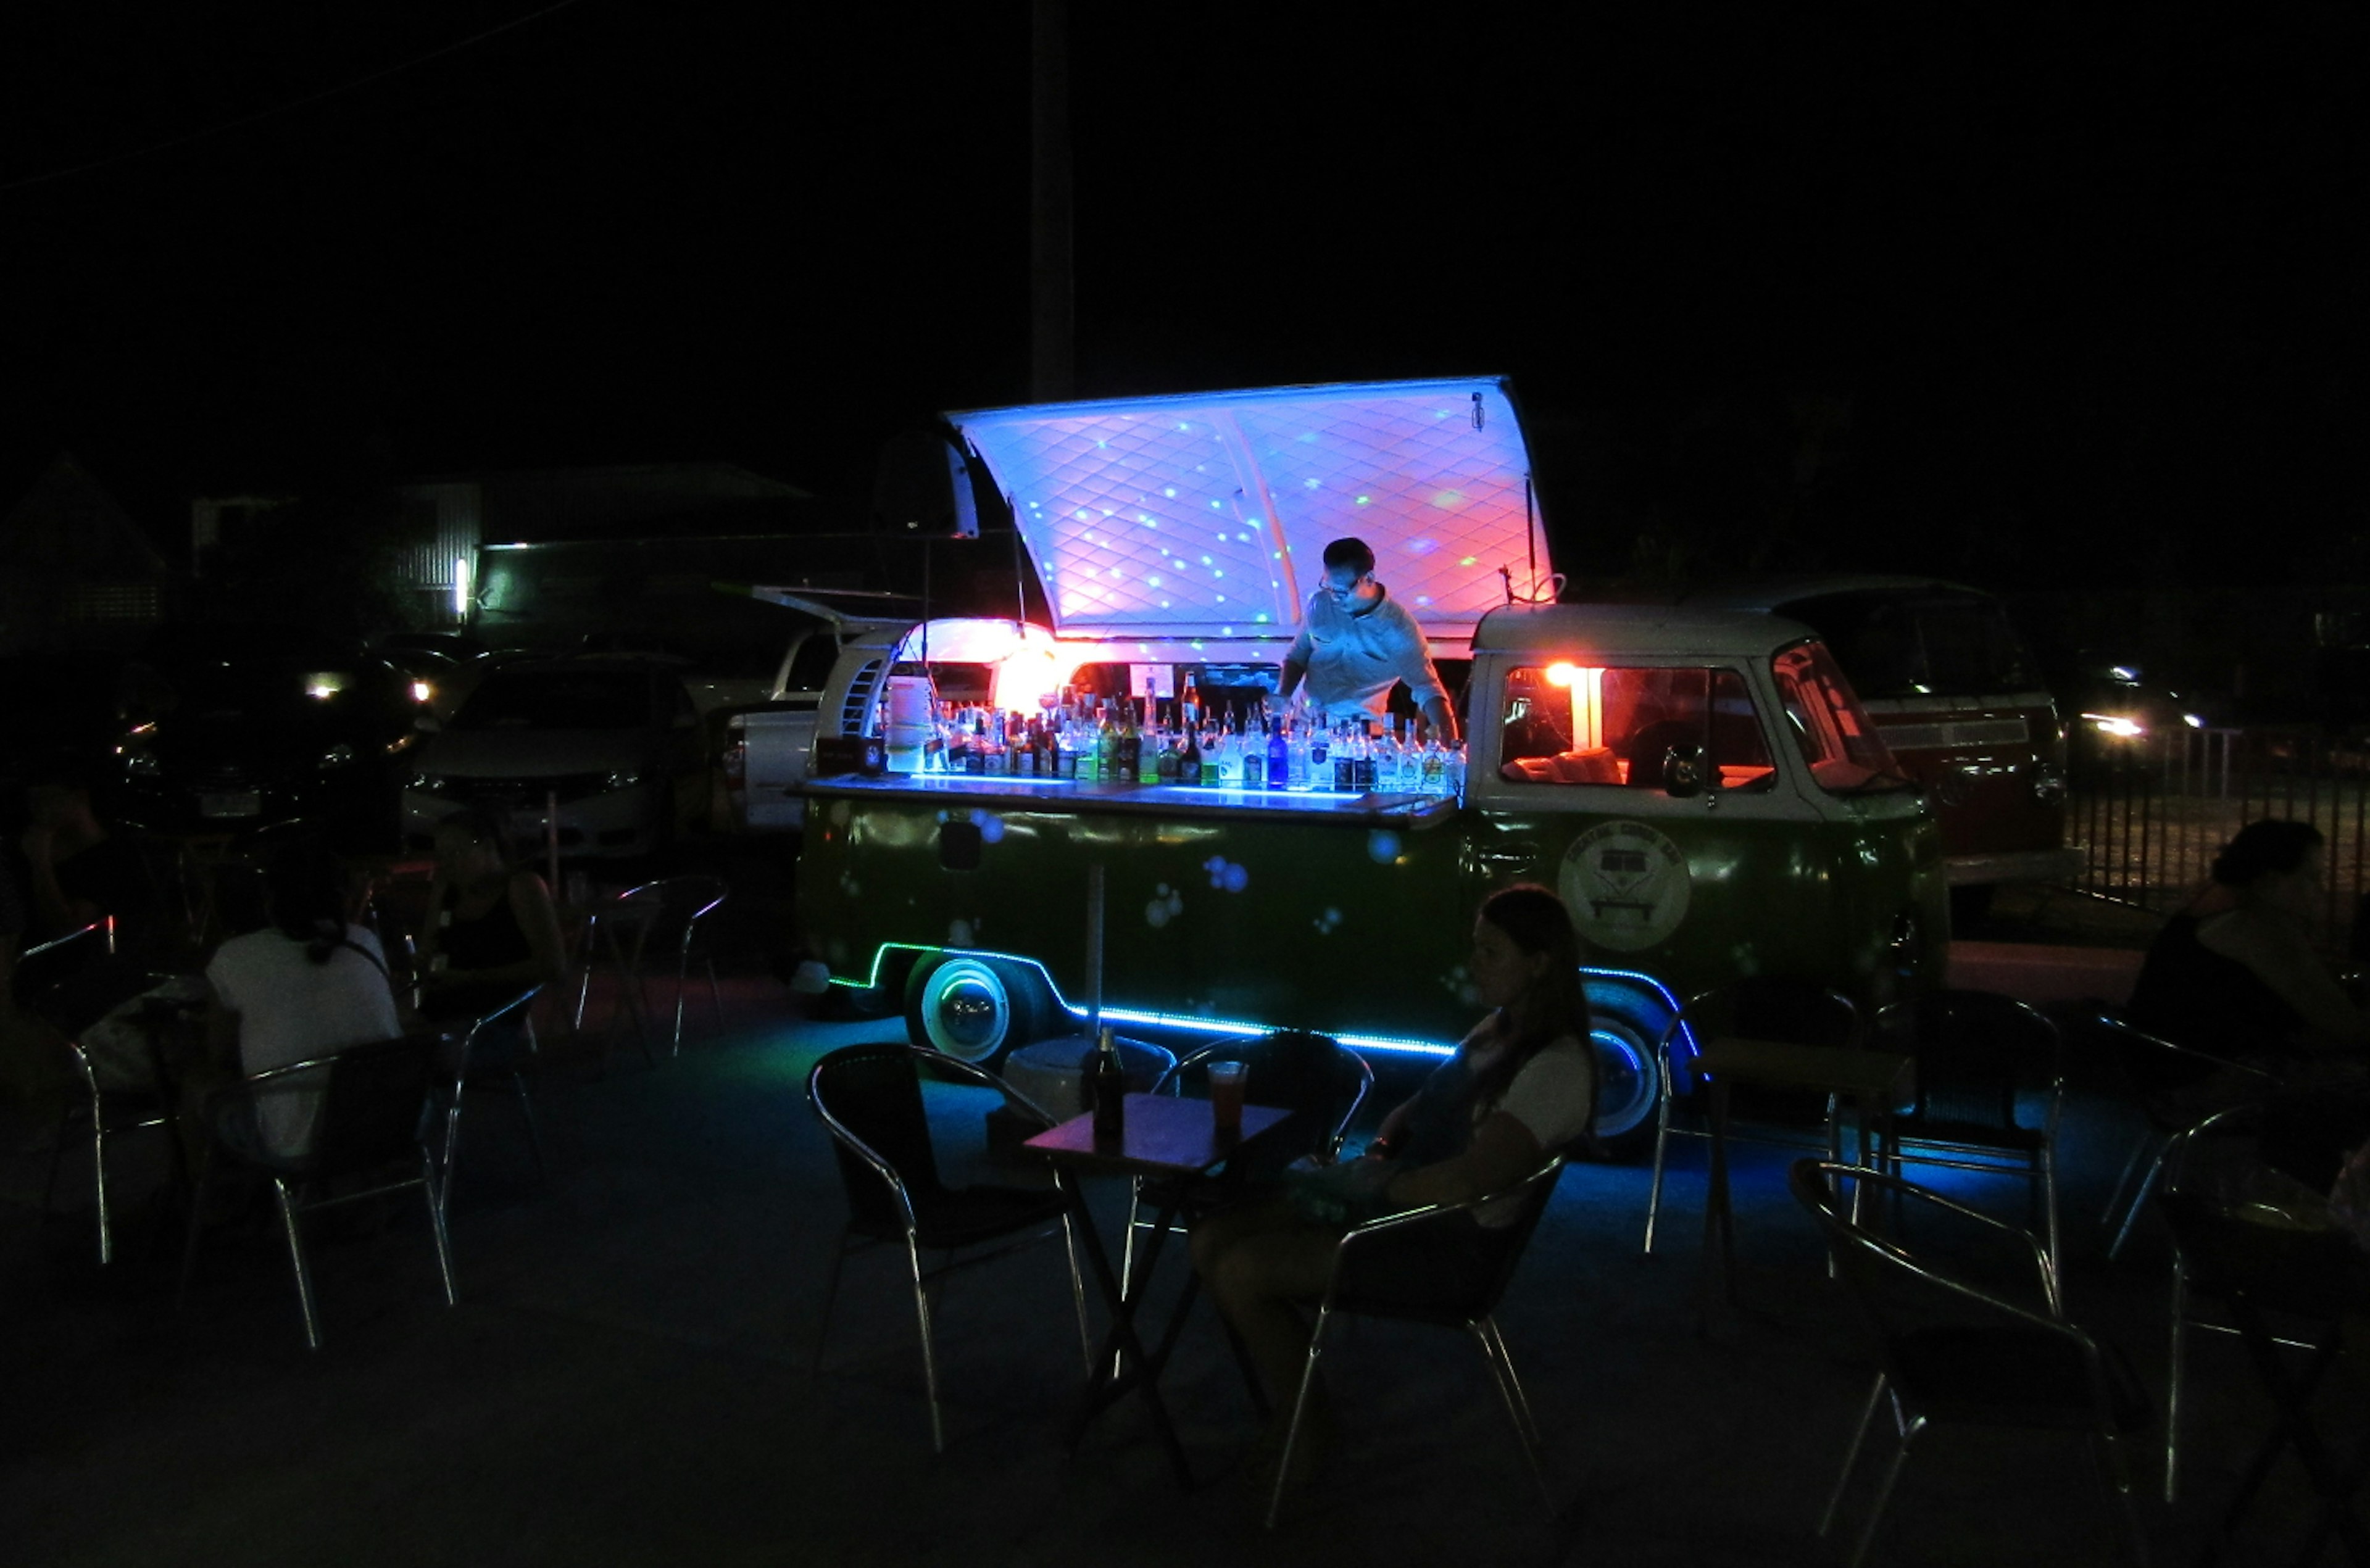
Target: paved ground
<point x="626" y="1379"/>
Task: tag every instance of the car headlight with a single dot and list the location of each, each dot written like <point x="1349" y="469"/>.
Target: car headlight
<point x="2116" y="724"/>
<point x="143" y="765"/>
<point x="422" y="691"/>
<point x="337" y="756"/>
<point x="624" y="778"/>
<point x="429" y="783"/>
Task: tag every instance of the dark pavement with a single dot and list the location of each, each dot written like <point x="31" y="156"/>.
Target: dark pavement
<point x="626" y="1378"/>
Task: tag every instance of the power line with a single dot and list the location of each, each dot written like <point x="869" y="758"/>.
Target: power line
<point x="307" y="101"/>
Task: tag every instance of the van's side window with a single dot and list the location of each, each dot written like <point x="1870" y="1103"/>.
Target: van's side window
<point x="1569" y="722"/>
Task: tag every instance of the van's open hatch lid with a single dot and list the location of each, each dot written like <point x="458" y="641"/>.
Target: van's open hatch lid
<point x="1206" y="515"/>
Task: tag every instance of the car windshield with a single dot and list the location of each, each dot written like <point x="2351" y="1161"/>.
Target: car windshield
<point x="1923" y="645"/>
<point x="279" y="690"/>
<point x="1831" y="729"/>
<point x="560" y="699"/>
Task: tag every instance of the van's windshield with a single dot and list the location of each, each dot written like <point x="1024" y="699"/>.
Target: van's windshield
<point x="1845" y="754"/>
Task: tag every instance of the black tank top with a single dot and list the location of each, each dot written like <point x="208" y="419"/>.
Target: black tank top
<point x="489" y="942"/>
<point x="2193" y="996"/>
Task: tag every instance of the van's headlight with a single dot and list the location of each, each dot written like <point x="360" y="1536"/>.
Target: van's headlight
<point x="624" y="778"/>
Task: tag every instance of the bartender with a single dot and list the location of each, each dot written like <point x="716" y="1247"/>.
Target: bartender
<point x="1357" y="641"/>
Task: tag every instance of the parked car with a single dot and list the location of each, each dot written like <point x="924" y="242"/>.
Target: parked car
<point x="439" y="668"/>
<point x="232" y="730"/>
<point x="612" y="743"/>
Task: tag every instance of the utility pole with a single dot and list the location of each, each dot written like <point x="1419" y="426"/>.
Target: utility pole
<point x="1052" y="303"/>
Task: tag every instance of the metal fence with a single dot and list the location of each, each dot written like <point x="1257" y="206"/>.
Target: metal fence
<point x="2151" y="811"/>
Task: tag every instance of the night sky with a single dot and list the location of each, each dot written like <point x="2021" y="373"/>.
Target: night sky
<point x="2022" y="293"/>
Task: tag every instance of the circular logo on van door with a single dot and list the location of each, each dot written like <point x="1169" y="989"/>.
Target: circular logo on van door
<point x="1626" y="885"/>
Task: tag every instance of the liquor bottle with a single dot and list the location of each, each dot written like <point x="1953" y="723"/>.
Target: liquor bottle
<point x="1188" y="705"/>
<point x="1345" y="761"/>
<point x="1278" y="755"/>
<point x="1168" y="761"/>
<point x="1387" y="759"/>
<point x="1106" y="744"/>
<point x="1457" y="770"/>
<point x="1365" y="773"/>
<point x="1107" y="1088"/>
<point x="1189" y="761"/>
<point x="1127" y="762"/>
<point x="1318" y="772"/>
<point x="1149" y="748"/>
<point x="1435" y="767"/>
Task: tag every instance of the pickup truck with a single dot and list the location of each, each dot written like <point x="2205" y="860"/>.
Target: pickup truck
<point x="1702" y="786"/>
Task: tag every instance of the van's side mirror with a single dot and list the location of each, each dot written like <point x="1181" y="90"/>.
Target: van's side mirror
<point x="1682" y="772"/>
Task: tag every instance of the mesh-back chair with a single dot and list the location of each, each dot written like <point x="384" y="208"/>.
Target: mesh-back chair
<point x="374" y="1102"/>
<point x="1759" y="1007"/>
<point x="869" y="1099"/>
<point x="667" y="913"/>
<point x="69" y="983"/>
<point x="2159" y="1079"/>
<point x="493" y="1052"/>
<point x="1433" y="1266"/>
<point x="1989" y="1086"/>
<point x="2268" y="1160"/>
<point x="1320" y="1080"/>
<point x="1949" y="1351"/>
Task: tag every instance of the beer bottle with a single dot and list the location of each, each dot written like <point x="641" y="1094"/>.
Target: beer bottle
<point x="1189" y="761"/>
<point x="1106" y="1092"/>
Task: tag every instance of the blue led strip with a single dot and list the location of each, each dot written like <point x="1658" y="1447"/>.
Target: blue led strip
<point x="1236" y="1028"/>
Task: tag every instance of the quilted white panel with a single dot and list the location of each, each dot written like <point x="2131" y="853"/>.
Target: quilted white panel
<point x="1208" y="515"/>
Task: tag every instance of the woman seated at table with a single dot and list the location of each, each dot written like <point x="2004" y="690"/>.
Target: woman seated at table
<point x="2235" y="973"/>
<point x="308" y="985"/>
<point x="492" y="931"/>
<point x="1522" y="1084"/>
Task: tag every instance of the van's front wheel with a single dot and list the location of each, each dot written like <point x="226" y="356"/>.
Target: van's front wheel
<point x="972" y="1009"/>
<point x="1625" y="1020"/>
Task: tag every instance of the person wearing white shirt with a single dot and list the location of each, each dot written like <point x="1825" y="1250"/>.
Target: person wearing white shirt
<point x="1356" y="642"/>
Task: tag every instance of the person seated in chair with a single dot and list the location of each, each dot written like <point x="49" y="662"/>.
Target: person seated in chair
<point x="492" y="931"/>
<point x="1521" y="1084"/>
<point x="311" y="983"/>
<point x="2235" y="973"/>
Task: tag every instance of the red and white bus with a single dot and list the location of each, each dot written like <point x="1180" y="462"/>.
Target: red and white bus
<point x="1960" y="700"/>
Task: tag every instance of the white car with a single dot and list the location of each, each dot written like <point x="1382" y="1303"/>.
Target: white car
<point x="607" y="749"/>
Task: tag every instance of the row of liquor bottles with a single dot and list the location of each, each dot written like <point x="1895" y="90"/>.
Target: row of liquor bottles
<point x="1108" y="742"/>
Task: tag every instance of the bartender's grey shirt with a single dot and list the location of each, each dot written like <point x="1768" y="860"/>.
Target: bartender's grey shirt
<point x="1353" y="661"/>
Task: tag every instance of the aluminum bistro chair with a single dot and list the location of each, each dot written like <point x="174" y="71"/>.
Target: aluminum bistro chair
<point x="669" y="911"/>
<point x="2152" y="1071"/>
<point x="1980" y="1058"/>
<point x="1766" y="1007"/>
<point x="373" y="1100"/>
<point x="1948" y="1352"/>
<point x="1397" y="1267"/>
<point x="1316" y="1077"/>
<point x="869" y="1099"/>
<point x="69" y="983"/>
<point x="2206" y="1264"/>
<point x="477" y="1064"/>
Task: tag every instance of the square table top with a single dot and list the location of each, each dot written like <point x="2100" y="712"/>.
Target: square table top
<point x="1165" y="1135"/>
<point x="1836" y="1070"/>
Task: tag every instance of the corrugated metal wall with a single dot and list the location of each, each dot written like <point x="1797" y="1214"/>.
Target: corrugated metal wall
<point x="442" y="524"/>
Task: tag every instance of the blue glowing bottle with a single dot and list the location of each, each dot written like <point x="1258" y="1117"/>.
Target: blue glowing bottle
<point x="1279" y="755"/>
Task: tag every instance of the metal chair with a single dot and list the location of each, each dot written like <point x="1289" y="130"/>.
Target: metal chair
<point x="1433" y="1266"/>
<point x="69" y="983"/>
<point x="1321" y="1081"/>
<point x="374" y="1101"/>
<point x="2153" y="1071"/>
<point x="1948" y="1352"/>
<point x="672" y="910"/>
<point x="1761" y="1007"/>
<point x="1978" y="1054"/>
<point x="869" y="1099"/>
<point x="493" y="1053"/>
<point x="2221" y="1256"/>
